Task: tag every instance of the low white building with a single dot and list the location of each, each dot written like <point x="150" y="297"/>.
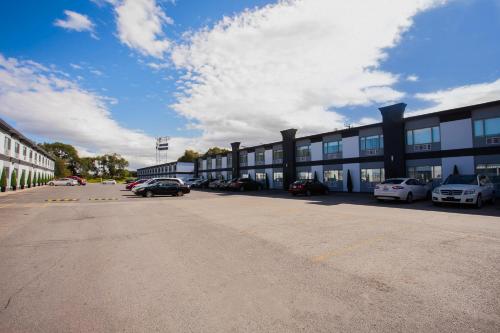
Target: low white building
<point x="22" y="155"/>
<point x="182" y="170"/>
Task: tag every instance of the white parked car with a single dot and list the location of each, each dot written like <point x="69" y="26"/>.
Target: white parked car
<point x="63" y="182"/>
<point x="465" y="189"/>
<point x="109" y="182"/>
<point x="405" y="189"/>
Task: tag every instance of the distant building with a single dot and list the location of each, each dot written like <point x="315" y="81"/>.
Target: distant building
<point x="21" y="154"/>
<point x="427" y="147"/>
<point x="181" y="170"/>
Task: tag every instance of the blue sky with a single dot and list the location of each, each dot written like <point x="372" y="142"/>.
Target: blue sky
<point x="314" y="65"/>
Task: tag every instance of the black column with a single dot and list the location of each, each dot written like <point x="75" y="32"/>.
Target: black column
<point x="394" y="140"/>
<point x="196" y="168"/>
<point x="288" y="157"/>
<point x="235" y="155"/>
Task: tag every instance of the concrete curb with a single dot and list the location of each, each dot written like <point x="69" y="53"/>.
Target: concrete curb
<point x="31" y="189"/>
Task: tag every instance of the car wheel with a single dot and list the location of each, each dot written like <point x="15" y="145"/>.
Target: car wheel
<point x="437" y="204"/>
<point x="180" y="194"/>
<point x="51" y="184"/>
<point x="409" y="198"/>
<point x="493" y="198"/>
<point x="479" y="201"/>
<point x="428" y="195"/>
<point x="326" y="191"/>
<point x="149" y="194"/>
<point x="308" y="193"/>
<point x="294" y="194"/>
<point x="242" y="188"/>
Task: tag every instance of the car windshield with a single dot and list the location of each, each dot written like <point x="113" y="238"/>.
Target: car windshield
<point x="393" y="181"/>
<point x="461" y="180"/>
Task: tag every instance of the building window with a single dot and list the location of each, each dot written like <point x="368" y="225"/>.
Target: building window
<point x="200" y="164"/>
<point x="303" y="153"/>
<point x="17" y="148"/>
<point x="229" y="161"/>
<point x="487" y="127"/>
<point x="488" y="169"/>
<point x="278" y="176"/>
<point x="277" y="155"/>
<point x="6" y="145"/>
<point x="425" y="173"/>
<point x="243" y="159"/>
<point x="304" y="175"/>
<point x="218" y="162"/>
<point x="209" y="163"/>
<point x="332" y="147"/>
<point x="372" y="175"/>
<point x="259" y="157"/>
<point x="423" y="136"/>
<point x="373" y="142"/>
<point x="332" y="176"/>
<point x="229" y="175"/>
<point x="260" y="176"/>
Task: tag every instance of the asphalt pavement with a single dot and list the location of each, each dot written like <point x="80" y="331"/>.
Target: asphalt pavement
<point x="99" y="259"/>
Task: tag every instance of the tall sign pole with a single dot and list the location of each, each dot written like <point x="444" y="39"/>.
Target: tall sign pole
<point x="161" y="146"/>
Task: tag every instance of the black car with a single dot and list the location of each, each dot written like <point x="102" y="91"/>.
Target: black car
<point x="163" y="187"/>
<point x="244" y="184"/>
<point x="308" y="187"/>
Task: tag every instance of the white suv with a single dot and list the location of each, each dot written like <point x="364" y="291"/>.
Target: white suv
<point x="464" y="189"/>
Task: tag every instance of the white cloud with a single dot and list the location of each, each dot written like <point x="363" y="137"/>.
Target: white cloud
<point x="290" y="65"/>
<point x="140" y="26"/>
<point x="46" y="104"/>
<point x="459" y="96"/>
<point x="75" y="66"/>
<point x="412" y="78"/>
<point x="76" y="21"/>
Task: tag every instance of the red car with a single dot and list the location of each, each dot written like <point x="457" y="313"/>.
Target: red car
<point x="137" y="182"/>
<point x="308" y="187"/>
<point x="80" y="180"/>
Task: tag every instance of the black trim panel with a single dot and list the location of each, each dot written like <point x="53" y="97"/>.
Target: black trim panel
<point x="454" y="153"/>
<point x="455" y="116"/>
<point x="362" y="159"/>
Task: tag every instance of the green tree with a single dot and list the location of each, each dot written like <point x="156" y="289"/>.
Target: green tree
<point x="189" y="156"/>
<point x="89" y="166"/>
<point x="29" y="179"/>
<point x="113" y="165"/>
<point x="60" y="168"/>
<point x="39" y="180"/>
<point x="34" y="178"/>
<point x="216" y="151"/>
<point x="3" y="180"/>
<point x="13" y="180"/>
<point x="23" y="179"/>
<point x="65" y="152"/>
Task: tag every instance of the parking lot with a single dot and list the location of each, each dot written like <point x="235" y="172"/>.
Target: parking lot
<point x="105" y="260"/>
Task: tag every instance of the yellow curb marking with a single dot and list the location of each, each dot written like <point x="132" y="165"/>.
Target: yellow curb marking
<point x="103" y="199"/>
<point x="346" y="249"/>
<point x="61" y="200"/>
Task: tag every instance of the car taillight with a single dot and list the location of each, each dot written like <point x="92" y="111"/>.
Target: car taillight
<point x="397" y="187"/>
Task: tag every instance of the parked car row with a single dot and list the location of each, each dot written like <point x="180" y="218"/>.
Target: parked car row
<point x="473" y="189"/>
<point x="235" y="184"/>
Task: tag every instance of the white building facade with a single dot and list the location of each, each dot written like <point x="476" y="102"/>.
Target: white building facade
<point x="19" y="155"/>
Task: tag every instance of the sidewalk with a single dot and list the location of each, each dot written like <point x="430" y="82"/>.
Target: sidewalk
<point x="9" y="192"/>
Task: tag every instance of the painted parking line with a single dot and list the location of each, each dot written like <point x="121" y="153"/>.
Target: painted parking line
<point x="62" y="200"/>
<point x="103" y="199"/>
